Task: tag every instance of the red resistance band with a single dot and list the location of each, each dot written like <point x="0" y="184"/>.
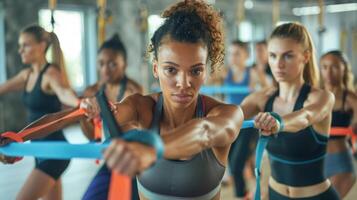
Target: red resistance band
<point x="46" y="125"/>
<point x="120" y="186"/>
<point x="341" y="131"/>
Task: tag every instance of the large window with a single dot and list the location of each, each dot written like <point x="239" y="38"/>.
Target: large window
<point x="2" y="47"/>
<point x="75" y="29"/>
<point x="154" y="21"/>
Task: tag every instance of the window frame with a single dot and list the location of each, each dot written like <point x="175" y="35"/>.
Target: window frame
<point x="89" y="41"/>
<point x="3" y="75"/>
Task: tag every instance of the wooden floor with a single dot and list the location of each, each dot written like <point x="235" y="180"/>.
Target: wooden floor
<point x="77" y="176"/>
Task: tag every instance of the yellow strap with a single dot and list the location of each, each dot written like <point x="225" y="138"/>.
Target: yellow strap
<point x="321" y="14"/>
<point x="240" y="12"/>
<point x="102" y="5"/>
<point x="276" y="12"/>
<point x="52" y="4"/>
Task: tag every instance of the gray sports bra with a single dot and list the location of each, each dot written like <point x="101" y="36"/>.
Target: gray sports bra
<point x="196" y="179"/>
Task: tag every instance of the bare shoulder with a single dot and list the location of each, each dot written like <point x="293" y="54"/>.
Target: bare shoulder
<point x="265" y="93"/>
<point x="142" y="106"/>
<point x="319" y="95"/>
<point x="134" y="87"/>
<point x="351" y="98"/>
<point x="212" y="104"/>
<point x="24" y="73"/>
<point x="53" y="72"/>
<point x="260" y="97"/>
<point x="140" y="101"/>
<point x="91" y="90"/>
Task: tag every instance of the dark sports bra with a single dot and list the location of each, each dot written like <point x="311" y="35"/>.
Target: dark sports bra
<point x="296" y="159"/>
<point x="196" y="179"/>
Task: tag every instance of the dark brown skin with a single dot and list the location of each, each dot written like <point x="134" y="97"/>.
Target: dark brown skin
<point x="332" y="71"/>
<point x="111" y="67"/>
<point x="287" y="60"/>
<point x="181" y="69"/>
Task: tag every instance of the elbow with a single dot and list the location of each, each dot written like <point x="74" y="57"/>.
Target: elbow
<point x="231" y="135"/>
<point x="309" y="120"/>
<point x="206" y="139"/>
<point x="234" y="125"/>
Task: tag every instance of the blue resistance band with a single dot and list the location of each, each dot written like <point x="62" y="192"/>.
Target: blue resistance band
<point x="209" y="90"/>
<point x="64" y="150"/>
<point x="54" y="150"/>
<point x="262" y="143"/>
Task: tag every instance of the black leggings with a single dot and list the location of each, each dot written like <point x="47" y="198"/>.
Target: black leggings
<point x="329" y="194"/>
<point x="240" y="152"/>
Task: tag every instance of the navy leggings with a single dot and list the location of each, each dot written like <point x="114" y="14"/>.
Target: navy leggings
<point x="99" y="187"/>
<point x="239" y="153"/>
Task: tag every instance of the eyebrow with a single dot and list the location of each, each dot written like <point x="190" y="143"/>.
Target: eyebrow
<point x="193" y="66"/>
<point x="286" y="52"/>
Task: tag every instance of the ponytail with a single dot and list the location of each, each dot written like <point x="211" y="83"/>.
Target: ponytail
<point x="57" y="58"/>
<point x="52" y="43"/>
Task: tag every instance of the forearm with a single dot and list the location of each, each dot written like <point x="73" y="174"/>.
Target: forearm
<point x="310" y="115"/>
<point x="87" y="128"/>
<point x="301" y="119"/>
<point x="68" y="97"/>
<point x="6" y="88"/>
<point x="200" y="134"/>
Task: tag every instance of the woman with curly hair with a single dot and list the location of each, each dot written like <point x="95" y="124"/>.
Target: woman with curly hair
<point x="197" y="130"/>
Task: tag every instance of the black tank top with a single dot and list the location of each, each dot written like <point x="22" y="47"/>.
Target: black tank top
<point x="194" y="179"/>
<point x="341" y="118"/>
<point x="122" y="88"/>
<point x="296" y="159"/>
<point x="39" y="103"/>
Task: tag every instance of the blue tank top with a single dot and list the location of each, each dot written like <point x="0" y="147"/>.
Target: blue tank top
<point x="296" y="159"/>
<point x="39" y="103"/>
<point x="196" y="179"/>
<point x="229" y="81"/>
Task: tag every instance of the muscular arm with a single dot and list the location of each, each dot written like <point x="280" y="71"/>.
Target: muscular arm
<point x="315" y="112"/>
<point x="250" y="105"/>
<point x="16" y="83"/>
<point x="220" y="128"/>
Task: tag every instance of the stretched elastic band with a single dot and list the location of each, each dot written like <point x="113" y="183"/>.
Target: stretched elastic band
<point x="55" y="150"/>
<point x="345" y="131"/>
<point x="27" y="132"/>
<point x="259" y="151"/>
<point x="12" y="136"/>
